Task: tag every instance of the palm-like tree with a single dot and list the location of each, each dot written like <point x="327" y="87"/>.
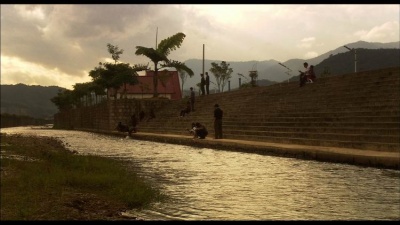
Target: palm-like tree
<point x="161" y="55"/>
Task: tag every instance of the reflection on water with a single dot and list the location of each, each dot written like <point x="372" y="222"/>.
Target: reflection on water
<point x="207" y="184"/>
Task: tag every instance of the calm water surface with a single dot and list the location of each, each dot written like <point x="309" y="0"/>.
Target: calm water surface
<point x="208" y="184"/>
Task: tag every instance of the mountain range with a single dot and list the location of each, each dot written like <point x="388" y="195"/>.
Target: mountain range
<point x="35" y="100"/>
<point x="271" y="70"/>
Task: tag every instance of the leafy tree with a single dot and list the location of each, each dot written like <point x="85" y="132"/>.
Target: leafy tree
<point x="63" y="100"/>
<point x="326" y="72"/>
<point x="143" y="87"/>
<point x="114" y="75"/>
<point x="80" y="90"/>
<point x="222" y="74"/>
<point x="198" y="87"/>
<point x="253" y="75"/>
<point x="85" y="90"/>
<point x="115" y="52"/>
<point x="164" y="76"/>
<point x="99" y="78"/>
<point x="183" y="75"/>
<point x="97" y="89"/>
<point x="160" y="55"/>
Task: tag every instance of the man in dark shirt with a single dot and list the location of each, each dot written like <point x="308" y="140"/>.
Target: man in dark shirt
<point x="207" y="83"/>
<point x="218" y="113"/>
<point x="202" y="84"/>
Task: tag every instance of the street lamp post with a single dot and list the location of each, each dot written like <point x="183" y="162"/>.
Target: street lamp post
<point x="355" y="57"/>
<point x="288" y="72"/>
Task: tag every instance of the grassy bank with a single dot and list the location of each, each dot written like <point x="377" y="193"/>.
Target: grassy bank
<point x="41" y="180"/>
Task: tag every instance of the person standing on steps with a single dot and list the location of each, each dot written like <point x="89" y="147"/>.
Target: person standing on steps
<point x="202" y="84"/>
<point x="192" y="98"/>
<point x="218" y="113"/>
<point x="207" y="84"/>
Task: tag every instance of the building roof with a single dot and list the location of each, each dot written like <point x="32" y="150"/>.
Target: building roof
<point x="168" y="83"/>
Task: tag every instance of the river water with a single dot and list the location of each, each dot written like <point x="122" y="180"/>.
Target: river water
<point x="209" y="184"/>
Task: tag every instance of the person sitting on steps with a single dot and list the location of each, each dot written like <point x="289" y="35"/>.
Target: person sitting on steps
<point x="303" y="75"/>
<point x="186" y="110"/>
<point x="311" y="75"/>
<point x="152" y="115"/>
<point x="134" y="123"/>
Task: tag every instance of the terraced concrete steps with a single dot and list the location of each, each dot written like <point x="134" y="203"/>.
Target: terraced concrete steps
<point x="359" y="111"/>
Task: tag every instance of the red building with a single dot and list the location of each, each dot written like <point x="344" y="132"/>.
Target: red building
<point x="168" y="86"/>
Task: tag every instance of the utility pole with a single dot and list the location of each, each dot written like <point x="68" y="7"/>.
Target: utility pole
<point x="203" y="58"/>
<point x="156" y="37"/>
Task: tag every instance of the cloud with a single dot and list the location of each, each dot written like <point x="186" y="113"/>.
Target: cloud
<point x="387" y="32"/>
<point x="19" y="71"/>
<point x="306" y="42"/>
<point x="71" y="39"/>
<point x="310" y="55"/>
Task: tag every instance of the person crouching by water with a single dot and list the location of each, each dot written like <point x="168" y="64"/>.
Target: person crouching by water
<point x="200" y="131"/>
<point x="192" y="129"/>
<point x="124" y="128"/>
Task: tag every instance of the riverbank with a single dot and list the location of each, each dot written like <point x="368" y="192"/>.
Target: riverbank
<point x="42" y="180"/>
<point x="359" y="157"/>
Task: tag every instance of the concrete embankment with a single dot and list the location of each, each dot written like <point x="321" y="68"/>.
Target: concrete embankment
<point x="359" y="157"/>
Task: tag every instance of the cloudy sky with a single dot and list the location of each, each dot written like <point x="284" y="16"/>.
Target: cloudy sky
<point x="59" y="44"/>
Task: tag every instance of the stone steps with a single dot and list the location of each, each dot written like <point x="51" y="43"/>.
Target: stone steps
<point x="353" y="111"/>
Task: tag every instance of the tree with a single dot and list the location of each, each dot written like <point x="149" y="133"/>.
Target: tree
<point x="81" y="90"/>
<point x="143" y="87"/>
<point x="326" y="72"/>
<point x="63" y="100"/>
<point x="164" y="77"/>
<point x="115" y="52"/>
<point x="183" y="75"/>
<point x="160" y="55"/>
<point x="98" y="91"/>
<point x="114" y="75"/>
<point x="222" y="74"/>
<point x="253" y="75"/>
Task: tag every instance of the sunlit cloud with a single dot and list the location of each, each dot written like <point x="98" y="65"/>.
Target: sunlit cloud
<point x="19" y="71"/>
<point x="388" y="32"/>
<point x="306" y="42"/>
<point x="59" y="43"/>
<point x="30" y="12"/>
<point x="310" y="55"/>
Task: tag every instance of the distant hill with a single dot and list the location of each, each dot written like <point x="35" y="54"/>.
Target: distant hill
<point x="271" y="70"/>
<point x="367" y="59"/>
<point x="33" y="101"/>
